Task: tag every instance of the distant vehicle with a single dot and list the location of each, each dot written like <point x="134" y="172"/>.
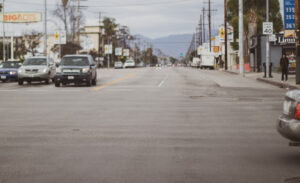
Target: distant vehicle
<point x="9" y="70"/>
<point x="38" y="68"/>
<point x="196" y="62"/>
<point x="289" y="122"/>
<point x="207" y="61"/>
<point x="129" y="64"/>
<point x="141" y="64"/>
<point x="118" y="65"/>
<point x="76" y="69"/>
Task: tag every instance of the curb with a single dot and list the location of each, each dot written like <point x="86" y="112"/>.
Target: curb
<point x="276" y="83"/>
<point x="231" y="72"/>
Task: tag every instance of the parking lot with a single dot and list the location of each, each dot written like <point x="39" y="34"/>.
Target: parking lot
<point x="150" y="125"/>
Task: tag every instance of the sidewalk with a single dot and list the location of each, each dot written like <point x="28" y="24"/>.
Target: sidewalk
<point x="276" y="80"/>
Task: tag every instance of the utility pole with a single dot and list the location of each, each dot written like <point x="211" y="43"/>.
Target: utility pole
<point x="200" y="31"/>
<point x="203" y="23"/>
<point x="78" y="23"/>
<point x="209" y="25"/>
<point x="45" y="29"/>
<point x="297" y="16"/>
<point x="267" y="44"/>
<point x="3" y="27"/>
<point x="241" y="36"/>
<point x="226" y="38"/>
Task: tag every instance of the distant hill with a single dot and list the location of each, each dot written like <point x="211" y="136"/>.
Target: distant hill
<point x="173" y="45"/>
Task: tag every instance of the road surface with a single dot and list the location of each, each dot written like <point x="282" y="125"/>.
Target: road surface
<point x="169" y="125"/>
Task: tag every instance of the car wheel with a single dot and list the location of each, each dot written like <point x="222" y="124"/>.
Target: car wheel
<point x="64" y="83"/>
<point x="94" y="81"/>
<point x="89" y="82"/>
<point x="3" y="80"/>
<point x="29" y="82"/>
<point x="57" y="84"/>
<point x="47" y="81"/>
<point x="21" y="82"/>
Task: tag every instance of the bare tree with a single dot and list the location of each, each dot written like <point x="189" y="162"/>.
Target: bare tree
<point x="32" y="41"/>
<point x="67" y="13"/>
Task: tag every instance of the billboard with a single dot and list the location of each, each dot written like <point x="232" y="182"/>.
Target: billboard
<point x="21" y="17"/>
<point x="289" y="14"/>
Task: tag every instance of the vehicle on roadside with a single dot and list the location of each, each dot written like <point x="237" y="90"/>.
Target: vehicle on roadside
<point x="37" y="68"/>
<point x="207" y="61"/>
<point x="9" y="70"/>
<point x="129" y="64"/>
<point x="76" y="69"/>
<point x="118" y="65"/>
<point x="288" y="124"/>
<point x="196" y="62"/>
<point x="141" y="64"/>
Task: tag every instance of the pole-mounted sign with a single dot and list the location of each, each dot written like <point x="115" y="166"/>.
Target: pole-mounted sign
<point x="108" y="49"/>
<point x="268" y="28"/>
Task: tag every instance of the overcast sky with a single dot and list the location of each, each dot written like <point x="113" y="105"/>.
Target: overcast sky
<point x="151" y="18"/>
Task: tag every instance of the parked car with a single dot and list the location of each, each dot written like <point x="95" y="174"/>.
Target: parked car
<point x="118" y="65"/>
<point x="141" y="64"/>
<point x="129" y="64"/>
<point x="9" y="70"/>
<point x="39" y="68"/>
<point x="76" y="69"/>
<point x="289" y="122"/>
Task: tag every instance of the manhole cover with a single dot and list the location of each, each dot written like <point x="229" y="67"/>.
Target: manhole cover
<point x="292" y="180"/>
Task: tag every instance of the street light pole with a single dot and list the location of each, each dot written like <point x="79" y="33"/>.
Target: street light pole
<point x="3" y="27"/>
<point x="45" y="29"/>
<point x="241" y="37"/>
<point x="226" y="38"/>
<point x="267" y="44"/>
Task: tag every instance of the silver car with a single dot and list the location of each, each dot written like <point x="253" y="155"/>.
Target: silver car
<point x="38" y="68"/>
<point x="288" y="124"/>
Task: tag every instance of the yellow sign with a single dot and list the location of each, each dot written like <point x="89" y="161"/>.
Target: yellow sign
<point x="21" y="17"/>
<point x="222" y="33"/>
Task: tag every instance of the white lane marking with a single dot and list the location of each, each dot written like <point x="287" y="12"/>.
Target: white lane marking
<point x="163" y="81"/>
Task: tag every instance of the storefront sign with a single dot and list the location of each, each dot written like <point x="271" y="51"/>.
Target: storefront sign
<point x="21" y="17"/>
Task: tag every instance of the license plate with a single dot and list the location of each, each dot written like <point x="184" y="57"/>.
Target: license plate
<point x="286" y="107"/>
<point x="70" y="77"/>
<point x="3" y="77"/>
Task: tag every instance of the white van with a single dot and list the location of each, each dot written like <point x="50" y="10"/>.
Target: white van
<point x="196" y="62"/>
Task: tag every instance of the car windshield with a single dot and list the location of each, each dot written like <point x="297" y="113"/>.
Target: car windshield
<point x="10" y="65"/>
<point x="35" y="61"/>
<point x="129" y="61"/>
<point x="75" y="61"/>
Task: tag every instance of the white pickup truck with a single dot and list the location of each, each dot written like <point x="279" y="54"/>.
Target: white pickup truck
<point x="207" y="60"/>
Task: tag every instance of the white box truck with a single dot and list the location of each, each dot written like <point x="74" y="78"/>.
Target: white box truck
<point x="208" y="60"/>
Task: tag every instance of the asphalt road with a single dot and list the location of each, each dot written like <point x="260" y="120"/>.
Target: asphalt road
<point x="170" y="125"/>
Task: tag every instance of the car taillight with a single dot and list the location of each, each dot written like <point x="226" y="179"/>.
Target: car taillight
<point x="297" y="111"/>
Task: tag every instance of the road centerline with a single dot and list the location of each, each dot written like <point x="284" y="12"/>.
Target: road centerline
<point x="113" y="82"/>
